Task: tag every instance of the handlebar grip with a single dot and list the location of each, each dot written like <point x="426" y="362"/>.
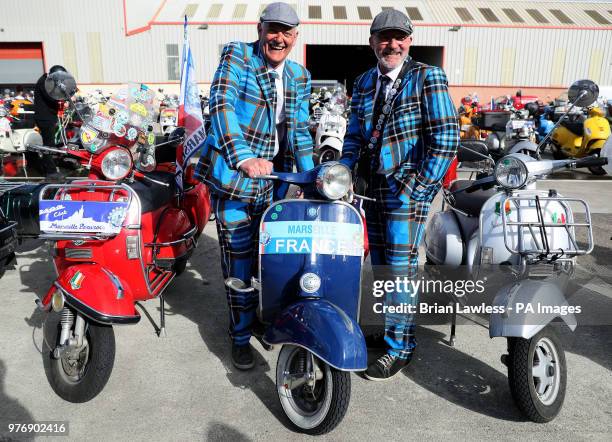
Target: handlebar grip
<point x="592" y="161"/>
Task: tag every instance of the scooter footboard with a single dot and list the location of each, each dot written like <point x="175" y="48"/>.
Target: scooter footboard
<point x="526" y="307"/>
<point x="97" y="293"/>
<point x="325" y="330"/>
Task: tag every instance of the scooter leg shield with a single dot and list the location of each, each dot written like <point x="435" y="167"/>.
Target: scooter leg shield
<point x="98" y="294"/>
<point x="526" y="307"/>
<point x="323" y="329"/>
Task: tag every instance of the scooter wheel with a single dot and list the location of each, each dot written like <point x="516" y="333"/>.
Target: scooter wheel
<point x="79" y="378"/>
<point x="312" y="409"/>
<point x="537" y="375"/>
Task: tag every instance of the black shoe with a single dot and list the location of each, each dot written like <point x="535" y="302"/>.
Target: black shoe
<point x="386" y="367"/>
<point x="242" y="356"/>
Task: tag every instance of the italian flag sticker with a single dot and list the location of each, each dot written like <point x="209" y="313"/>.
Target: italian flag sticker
<point x="77" y="280"/>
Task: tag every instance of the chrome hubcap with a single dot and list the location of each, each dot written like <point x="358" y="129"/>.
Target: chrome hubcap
<point x="545" y="371"/>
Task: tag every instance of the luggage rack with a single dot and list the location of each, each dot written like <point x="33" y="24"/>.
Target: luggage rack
<point x="539" y="231"/>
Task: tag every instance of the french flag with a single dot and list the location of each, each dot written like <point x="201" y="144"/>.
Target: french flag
<point x="190" y="112"/>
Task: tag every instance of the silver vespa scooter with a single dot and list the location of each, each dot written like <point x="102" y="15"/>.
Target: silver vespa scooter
<point x="500" y="224"/>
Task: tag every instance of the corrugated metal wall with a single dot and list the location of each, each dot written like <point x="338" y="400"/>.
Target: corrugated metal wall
<point x="533" y="57"/>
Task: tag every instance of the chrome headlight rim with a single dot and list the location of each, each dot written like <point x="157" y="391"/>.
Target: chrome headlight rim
<point x="503" y="163"/>
<point x="119" y="157"/>
<point x="324" y="183"/>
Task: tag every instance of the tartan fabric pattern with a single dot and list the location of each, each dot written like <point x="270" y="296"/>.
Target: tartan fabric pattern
<point x="420" y="137"/>
<point x="395" y="231"/>
<point x="238" y="231"/>
<point x="242" y="112"/>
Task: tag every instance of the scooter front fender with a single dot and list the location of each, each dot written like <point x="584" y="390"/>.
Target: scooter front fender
<point x="325" y="330"/>
<point x="96" y="293"/>
<point x="514" y="318"/>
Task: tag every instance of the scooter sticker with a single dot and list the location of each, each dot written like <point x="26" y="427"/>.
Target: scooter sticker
<point x="558" y="219"/>
<point x="132" y="133"/>
<point x="77" y="280"/>
<point x="507" y="208"/>
<point x="88" y="135"/>
<point x="119" y="130"/>
<point x="307" y="237"/>
<point x="122" y="117"/>
<point x="264" y="238"/>
<point x="81" y="216"/>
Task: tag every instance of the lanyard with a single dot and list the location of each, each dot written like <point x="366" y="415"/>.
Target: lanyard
<point x="386" y="110"/>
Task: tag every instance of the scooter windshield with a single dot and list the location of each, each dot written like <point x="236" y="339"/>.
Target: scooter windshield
<point x="126" y="118"/>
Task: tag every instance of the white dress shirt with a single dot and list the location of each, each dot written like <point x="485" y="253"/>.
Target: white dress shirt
<point x="392" y="75"/>
<point x="279" y="114"/>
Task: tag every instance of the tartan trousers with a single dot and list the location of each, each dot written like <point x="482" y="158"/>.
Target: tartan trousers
<point x="238" y="232"/>
<point x="395" y="231"/>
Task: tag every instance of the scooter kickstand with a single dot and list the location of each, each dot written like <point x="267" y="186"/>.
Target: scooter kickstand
<point x="162" y="318"/>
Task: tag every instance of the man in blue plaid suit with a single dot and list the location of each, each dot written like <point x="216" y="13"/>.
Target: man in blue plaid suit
<point x="402" y="135"/>
<point x="259" y="122"/>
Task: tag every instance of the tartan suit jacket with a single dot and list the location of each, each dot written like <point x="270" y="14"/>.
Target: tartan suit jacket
<point x="242" y="110"/>
<point x="421" y="134"/>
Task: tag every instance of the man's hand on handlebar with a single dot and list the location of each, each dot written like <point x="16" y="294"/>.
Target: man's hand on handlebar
<point x="254" y="167"/>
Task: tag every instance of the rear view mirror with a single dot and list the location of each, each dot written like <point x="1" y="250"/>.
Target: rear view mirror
<point x="60" y="85"/>
<point x="583" y="93"/>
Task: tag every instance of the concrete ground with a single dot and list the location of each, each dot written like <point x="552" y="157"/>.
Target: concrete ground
<point x="183" y="387"/>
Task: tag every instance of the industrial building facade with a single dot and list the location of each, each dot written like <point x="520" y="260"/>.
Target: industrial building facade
<point x="536" y="46"/>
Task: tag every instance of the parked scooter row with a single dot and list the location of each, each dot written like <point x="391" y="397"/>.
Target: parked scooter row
<point x="122" y="234"/>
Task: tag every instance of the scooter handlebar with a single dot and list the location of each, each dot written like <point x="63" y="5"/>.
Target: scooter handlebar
<point x="41" y="148"/>
<point x="591" y="161"/>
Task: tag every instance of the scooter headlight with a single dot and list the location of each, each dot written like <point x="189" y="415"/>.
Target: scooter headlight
<point x="310" y="283"/>
<point x="116" y="164"/>
<point x="334" y="180"/>
<point x="511" y="173"/>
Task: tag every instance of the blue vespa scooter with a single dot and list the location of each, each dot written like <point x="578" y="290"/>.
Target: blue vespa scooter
<point x="310" y="256"/>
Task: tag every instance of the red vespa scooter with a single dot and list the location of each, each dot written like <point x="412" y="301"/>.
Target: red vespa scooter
<point x="120" y="236"/>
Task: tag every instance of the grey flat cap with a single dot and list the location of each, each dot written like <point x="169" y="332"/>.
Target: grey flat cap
<point x="279" y="12"/>
<point x="391" y="19"/>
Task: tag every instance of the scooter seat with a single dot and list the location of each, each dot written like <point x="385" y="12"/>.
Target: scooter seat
<point x="152" y="195"/>
<point x="575" y="127"/>
<point x="470" y="203"/>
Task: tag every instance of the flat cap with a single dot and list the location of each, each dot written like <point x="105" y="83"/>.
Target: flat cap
<point x="279" y="12"/>
<point x="391" y="19"/>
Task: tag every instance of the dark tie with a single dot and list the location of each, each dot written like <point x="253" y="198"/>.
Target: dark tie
<point x="380" y="100"/>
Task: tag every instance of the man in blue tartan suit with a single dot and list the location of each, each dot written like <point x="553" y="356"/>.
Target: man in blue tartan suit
<point x="259" y="122"/>
<point x="402" y="135"/>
